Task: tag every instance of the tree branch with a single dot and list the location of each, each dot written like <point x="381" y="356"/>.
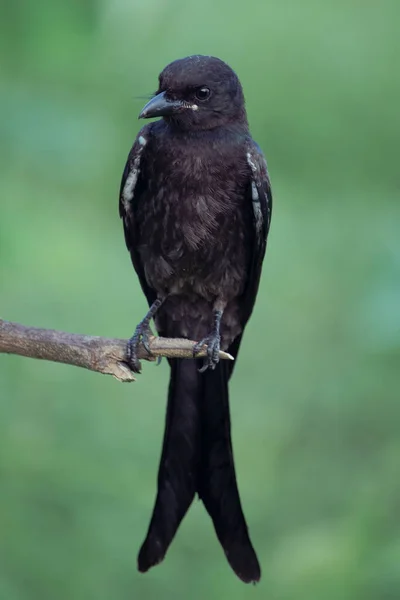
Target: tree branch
<point x="104" y="355"/>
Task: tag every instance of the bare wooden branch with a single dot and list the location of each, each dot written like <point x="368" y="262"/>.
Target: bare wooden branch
<point x="101" y="354"/>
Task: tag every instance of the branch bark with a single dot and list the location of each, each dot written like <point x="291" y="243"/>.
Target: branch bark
<point x="101" y="354"/>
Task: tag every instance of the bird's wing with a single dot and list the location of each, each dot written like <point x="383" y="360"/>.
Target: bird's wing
<point x="260" y="195"/>
<point x="133" y="185"/>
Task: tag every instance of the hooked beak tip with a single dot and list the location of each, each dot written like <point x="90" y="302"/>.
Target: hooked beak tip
<point x="160" y="106"/>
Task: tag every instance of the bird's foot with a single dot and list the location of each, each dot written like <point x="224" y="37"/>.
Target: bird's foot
<point x="141" y="336"/>
<point x="213" y="343"/>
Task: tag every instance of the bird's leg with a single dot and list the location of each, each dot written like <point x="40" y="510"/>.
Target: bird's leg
<point x="213" y="340"/>
<point x="141" y="335"/>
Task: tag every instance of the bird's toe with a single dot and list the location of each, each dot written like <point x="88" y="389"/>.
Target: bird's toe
<point x="141" y="336"/>
<point x="211" y="360"/>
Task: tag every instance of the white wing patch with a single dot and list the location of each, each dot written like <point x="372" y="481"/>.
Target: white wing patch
<point x="254" y="192"/>
<point x="130" y="183"/>
<point x="255" y="196"/>
<point x="251" y="163"/>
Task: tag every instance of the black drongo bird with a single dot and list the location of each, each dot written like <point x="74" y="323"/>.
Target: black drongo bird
<point x="196" y="207"/>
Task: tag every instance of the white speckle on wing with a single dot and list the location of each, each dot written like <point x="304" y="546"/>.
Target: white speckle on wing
<point x="129" y="187"/>
<point x="254" y="192"/>
<point x="258" y="216"/>
<point x="130" y="183"/>
<point x="255" y="196"/>
<point x="251" y="163"/>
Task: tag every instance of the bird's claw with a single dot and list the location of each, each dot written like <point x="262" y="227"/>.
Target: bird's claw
<point x="141" y="336"/>
<point x="213" y="343"/>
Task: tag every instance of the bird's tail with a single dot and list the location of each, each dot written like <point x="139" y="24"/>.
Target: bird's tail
<point x="197" y="457"/>
<point x="177" y="475"/>
<point x="217" y="486"/>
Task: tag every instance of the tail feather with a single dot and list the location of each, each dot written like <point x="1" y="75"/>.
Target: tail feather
<point x="179" y="463"/>
<point x="217" y="484"/>
<point x="197" y="457"/>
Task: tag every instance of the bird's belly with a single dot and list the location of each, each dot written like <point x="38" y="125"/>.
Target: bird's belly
<point x="198" y="245"/>
<point x="190" y="316"/>
<point x="212" y="267"/>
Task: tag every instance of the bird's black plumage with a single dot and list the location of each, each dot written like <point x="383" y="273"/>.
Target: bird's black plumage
<point x="196" y="206"/>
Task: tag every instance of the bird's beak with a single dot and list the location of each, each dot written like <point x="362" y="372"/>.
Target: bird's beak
<point x="160" y="106"/>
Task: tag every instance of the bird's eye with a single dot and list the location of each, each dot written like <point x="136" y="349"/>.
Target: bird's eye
<point x="203" y="93"/>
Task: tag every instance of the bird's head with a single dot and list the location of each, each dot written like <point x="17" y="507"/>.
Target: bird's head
<point x="197" y="93"/>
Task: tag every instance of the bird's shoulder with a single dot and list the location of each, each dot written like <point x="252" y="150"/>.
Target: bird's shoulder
<point x="133" y="168"/>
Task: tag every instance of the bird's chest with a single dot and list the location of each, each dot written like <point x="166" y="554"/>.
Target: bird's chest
<point x="192" y="196"/>
<point x="193" y="221"/>
<point x="188" y="227"/>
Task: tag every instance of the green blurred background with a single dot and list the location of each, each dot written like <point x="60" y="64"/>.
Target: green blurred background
<point x="315" y="398"/>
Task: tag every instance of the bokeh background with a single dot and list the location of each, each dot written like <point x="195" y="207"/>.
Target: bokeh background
<point x="315" y="397"/>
